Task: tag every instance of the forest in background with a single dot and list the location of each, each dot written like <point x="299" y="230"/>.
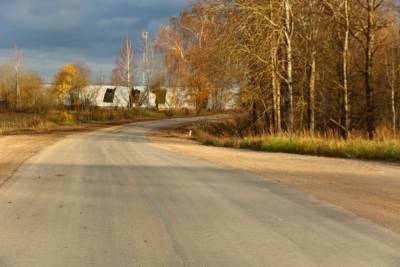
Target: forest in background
<point x="315" y="66"/>
<point x="316" y="77"/>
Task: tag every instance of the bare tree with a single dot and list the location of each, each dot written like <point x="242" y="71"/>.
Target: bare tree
<point x="371" y="7"/>
<point x="345" y="66"/>
<point x="147" y="64"/>
<point x="392" y="76"/>
<point x="285" y="55"/>
<point x="18" y="69"/>
<point x="393" y="68"/>
<point x="340" y="11"/>
<point x="288" y="32"/>
<point x="123" y="73"/>
<point x="275" y="72"/>
<point x="310" y="27"/>
<point x="369" y="26"/>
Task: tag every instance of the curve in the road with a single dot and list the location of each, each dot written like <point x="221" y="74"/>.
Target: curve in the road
<point x="110" y="198"/>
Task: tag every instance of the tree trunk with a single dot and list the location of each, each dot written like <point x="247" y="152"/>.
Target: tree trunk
<point x="254" y="118"/>
<point x="393" y="84"/>
<point x="276" y="92"/>
<point x="369" y="90"/>
<point x="312" y="93"/>
<point x="346" y="103"/>
<point x="18" y="92"/>
<point x="394" y="119"/>
<point x="289" y="61"/>
<point x="392" y="80"/>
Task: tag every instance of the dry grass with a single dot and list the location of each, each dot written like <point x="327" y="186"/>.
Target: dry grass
<point x="384" y="147"/>
<point x="11" y="123"/>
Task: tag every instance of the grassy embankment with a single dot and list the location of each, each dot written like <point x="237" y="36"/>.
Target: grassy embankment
<point x="227" y="134"/>
<point x="12" y="123"/>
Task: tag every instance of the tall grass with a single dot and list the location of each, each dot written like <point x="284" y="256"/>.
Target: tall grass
<point x="383" y="148"/>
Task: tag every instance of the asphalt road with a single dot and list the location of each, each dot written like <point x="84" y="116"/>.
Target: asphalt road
<point x="110" y="198"/>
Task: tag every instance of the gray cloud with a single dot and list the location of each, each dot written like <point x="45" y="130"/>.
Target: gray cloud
<point x="55" y="32"/>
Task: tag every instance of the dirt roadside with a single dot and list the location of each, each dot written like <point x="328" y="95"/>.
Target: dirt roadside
<point x="17" y="148"/>
<point x="368" y="189"/>
<point x="14" y="150"/>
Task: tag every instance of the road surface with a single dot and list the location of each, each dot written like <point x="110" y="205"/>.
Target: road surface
<point x="110" y="198"/>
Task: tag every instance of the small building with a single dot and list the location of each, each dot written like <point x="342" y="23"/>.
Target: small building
<point x="107" y="96"/>
<point x="165" y="98"/>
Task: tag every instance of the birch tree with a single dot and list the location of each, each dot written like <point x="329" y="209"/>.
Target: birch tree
<point x="123" y="73"/>
<point x="340" y="11"/>
<point x="18" y="69"/>
<point x="288" y="33"/>
<point x="370" y="23"/>
<point x="392" y="73"/>
<point x="287" y="55"/>
<point x="310" y="27"/>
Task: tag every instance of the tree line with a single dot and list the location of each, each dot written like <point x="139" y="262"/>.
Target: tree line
<point x="24" y="90"/>
<point x="296" y="65"/>
<point x="20" y="87"/>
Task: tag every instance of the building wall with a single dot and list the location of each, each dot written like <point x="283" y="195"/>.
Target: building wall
<point x="175" y="98"/>
<point x="95" y="96"/>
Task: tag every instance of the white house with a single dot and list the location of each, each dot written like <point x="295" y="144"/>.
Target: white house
<point x="121" y="97"/>
<point x="115" y="96"/>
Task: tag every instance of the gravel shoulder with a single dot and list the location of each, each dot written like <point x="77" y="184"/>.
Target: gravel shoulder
<point x="17" y="148"/>
<point x="368" y="189"/>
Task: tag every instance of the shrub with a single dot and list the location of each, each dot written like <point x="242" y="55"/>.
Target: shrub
<point x="66" y="118"/>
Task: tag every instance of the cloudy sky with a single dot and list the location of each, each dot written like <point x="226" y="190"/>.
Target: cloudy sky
<point x="55" y="32"/>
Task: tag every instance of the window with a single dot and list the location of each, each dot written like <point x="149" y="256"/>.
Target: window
<point x="109" y="96"/>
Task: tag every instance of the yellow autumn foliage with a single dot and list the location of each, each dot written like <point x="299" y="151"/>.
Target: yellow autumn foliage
<point x="69" y="78"/>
